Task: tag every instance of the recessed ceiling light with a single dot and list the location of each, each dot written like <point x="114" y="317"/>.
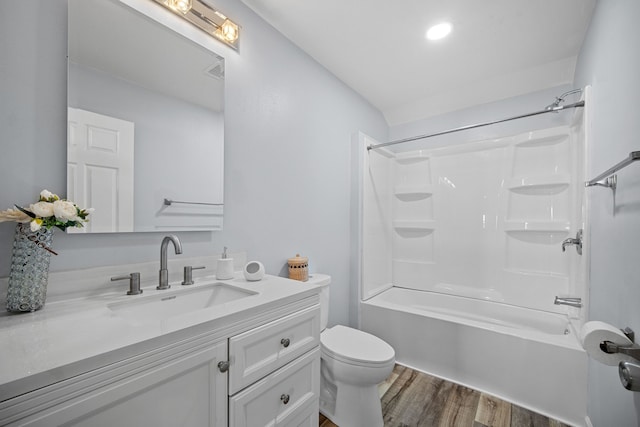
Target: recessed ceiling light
<point x="439" y="31"/>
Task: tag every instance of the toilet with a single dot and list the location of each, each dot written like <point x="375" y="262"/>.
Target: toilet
<point x="353" y="363"/>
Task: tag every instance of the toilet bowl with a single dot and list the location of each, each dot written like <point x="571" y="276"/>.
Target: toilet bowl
<point x="353" y="363"/>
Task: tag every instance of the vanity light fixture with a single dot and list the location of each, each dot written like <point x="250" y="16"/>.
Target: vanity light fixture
<point x="439" y="31"/>
<point x="182" y="6"/>
<point x="206" y="18"/>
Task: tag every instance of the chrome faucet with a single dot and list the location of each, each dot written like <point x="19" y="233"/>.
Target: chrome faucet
<point x="571" y="241"/>
<point x="164" y="272"/>
<point x="570" y="301"/>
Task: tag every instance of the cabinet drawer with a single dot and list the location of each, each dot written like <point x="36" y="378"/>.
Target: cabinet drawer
<point x="307" y="418"/>
<point x="287" y="397"/>
<point x="262" y="350"/>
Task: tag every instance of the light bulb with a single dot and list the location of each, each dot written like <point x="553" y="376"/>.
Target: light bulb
<point x="439" y="31"/>
<point x="182" y="6"/>
<point x="229" y="31"/>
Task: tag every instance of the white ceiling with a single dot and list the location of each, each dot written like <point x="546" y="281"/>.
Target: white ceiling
<point x="497" y="49"/>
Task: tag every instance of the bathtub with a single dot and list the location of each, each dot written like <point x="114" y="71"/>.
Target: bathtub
<point x="528" y="357"/>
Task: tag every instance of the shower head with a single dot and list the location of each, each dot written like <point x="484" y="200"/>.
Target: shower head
<point x="555" y="105"/>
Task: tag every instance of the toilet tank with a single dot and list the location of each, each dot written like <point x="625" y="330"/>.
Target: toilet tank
<point x="322" y="280"/>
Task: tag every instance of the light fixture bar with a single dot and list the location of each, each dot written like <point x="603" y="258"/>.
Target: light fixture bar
<point x="206" y="18"/>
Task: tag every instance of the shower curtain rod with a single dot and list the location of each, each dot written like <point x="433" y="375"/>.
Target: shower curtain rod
<point x="415" y="138"/>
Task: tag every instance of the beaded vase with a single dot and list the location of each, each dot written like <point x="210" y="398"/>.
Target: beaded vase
<point x="29" y="273"/>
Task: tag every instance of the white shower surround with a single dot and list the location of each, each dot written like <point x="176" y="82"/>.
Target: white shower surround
<point x="483" y="220"/>
<point x="473" y="234"/>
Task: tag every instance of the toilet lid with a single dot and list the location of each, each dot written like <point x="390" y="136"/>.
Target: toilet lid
<point x="356" y="347"/>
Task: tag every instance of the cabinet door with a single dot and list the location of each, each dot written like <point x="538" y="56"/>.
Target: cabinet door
<point x="287" y="397"/>
<point x="187" y="391"/>
<point x="266" y="348"/>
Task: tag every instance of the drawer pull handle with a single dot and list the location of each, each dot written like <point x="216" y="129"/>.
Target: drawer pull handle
<point x="223" y="366"/>
<point x="285" y="398"/>
<point x="285" y="342"/>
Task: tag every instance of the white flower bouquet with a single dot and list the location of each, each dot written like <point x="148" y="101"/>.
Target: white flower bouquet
<point x="49" y="211"/>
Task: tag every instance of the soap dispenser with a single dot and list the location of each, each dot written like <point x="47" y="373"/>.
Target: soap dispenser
<point x="224" y="271"/>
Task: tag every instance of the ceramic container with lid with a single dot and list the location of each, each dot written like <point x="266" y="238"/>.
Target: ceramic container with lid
<point x="299" y="268"/>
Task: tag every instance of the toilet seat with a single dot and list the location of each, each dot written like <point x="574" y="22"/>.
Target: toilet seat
<point x="355" y="347"/>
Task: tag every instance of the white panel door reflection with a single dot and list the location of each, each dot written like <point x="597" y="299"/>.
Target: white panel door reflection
<point x="100" y="169"/>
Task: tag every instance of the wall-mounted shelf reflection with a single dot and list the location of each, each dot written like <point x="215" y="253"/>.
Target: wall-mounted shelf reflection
<point x="169" y="202"/>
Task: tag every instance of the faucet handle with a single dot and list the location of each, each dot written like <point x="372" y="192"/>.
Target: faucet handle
<point x="134" y="283"/>
<point x="571" y="241"/>
<point x="188" y="274"/>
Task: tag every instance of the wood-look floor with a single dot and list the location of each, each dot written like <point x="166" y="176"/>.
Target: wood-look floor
<point x="414" y="399"/>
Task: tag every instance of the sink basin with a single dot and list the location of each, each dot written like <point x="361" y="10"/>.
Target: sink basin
<point x="175" y="303"/>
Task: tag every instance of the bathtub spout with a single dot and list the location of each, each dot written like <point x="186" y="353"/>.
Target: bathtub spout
<point x="572" y="302"/>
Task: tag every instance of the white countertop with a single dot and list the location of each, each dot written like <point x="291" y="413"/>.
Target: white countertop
<point x="49" y="345"/>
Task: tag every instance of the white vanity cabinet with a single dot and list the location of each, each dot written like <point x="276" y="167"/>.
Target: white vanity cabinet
<point x="259" y="368"/>
<point x="178" y="385"/>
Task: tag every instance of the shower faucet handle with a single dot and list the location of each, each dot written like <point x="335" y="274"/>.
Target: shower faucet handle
<point x="571" y="241"/>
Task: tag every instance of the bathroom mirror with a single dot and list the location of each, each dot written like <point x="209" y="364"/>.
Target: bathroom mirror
<point x="145" y="123"/>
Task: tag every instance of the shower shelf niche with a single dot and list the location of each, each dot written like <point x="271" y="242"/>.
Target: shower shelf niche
<point x="543" y="141"/>
<point x="539" y="185"/>
<point x="537" y="226"/>
<point x="412" y="157"/>
<point x="422" y="225"/>
<point x="409" y="193"/>
<point x="538" y="232"/>
<point x="413" y="262"/>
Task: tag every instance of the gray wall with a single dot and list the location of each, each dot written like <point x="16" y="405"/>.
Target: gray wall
<point x="288" y="126"/>
<point x="610" y="62"/>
